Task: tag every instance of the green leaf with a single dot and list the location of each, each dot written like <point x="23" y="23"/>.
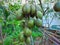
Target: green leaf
<point x="7" y="41"/>
<point x="36" y="34"/>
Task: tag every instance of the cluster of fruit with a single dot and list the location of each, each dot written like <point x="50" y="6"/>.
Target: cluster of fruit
<point x="57" y="7"/>
<point x="30" y="17"/>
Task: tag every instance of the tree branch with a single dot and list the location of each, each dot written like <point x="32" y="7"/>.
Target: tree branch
<point x="41" y="6"/>
<point x="52" y="19"/>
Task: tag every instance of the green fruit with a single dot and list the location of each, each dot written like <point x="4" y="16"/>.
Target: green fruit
<point x="11" y="17"/>
<point x="22" y="22"/>
<point x="26" y="9"/>
<point x="27" y="32"/>
<point x="39" y="14"/>
<point x="34" y="18"/>
<point x="28" y="40"/>
<point x="33" y="9"/>
<point x="38" y="22"/>
<point x="19" y="15"/>
<point x="57" y="7"/>
<point x="21" y="37"/>
<point x="30" y="23"/>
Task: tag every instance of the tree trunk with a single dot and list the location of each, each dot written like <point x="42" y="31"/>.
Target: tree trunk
<point x="1" y="37"/>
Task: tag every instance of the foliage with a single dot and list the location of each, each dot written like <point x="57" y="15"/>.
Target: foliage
<point x="14" y="7"/>
<point x="36" y="32"/>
